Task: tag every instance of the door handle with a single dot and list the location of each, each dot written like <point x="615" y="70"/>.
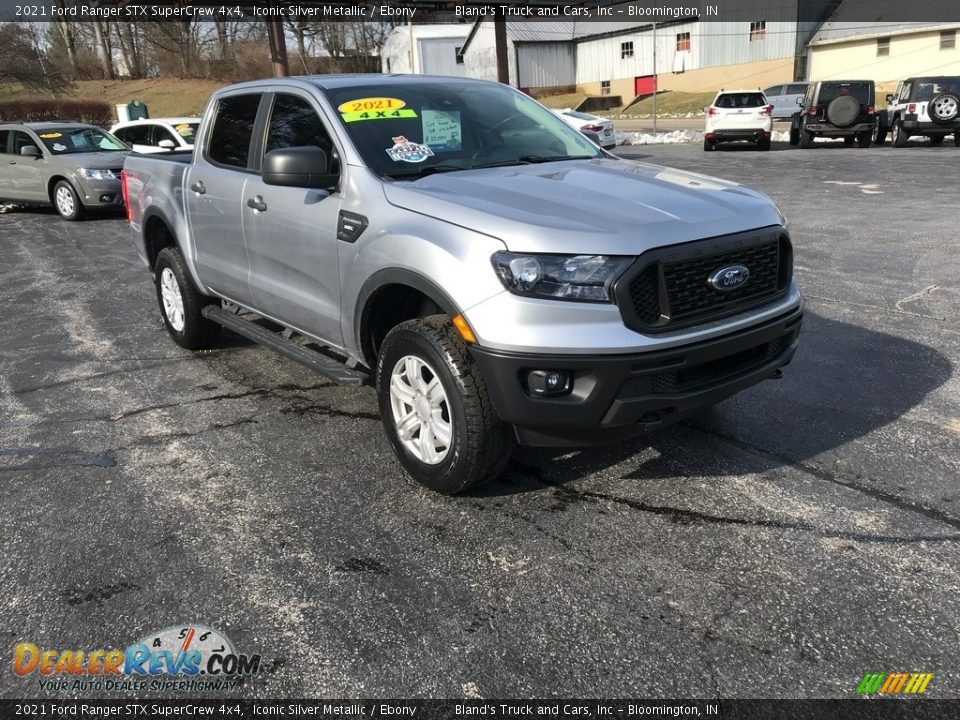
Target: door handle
<point x="257" y="204"/>
<point x="198" y="187"/>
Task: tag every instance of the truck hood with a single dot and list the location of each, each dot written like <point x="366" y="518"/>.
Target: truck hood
<point x="607" y="206"/>
<point x="112" y="160"/>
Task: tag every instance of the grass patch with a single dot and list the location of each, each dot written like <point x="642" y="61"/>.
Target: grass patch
<point x="559" y="102"/>
<point x="668" y="103"/>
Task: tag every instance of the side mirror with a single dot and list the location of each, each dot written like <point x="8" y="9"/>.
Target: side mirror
<point x="302" y="167"/>
<point x="167" y="144"/>
<point x="30" y="151"/>
<point x="889" y="99"/>
<point x="799" y="101"/>
<point x="706" y="108"/>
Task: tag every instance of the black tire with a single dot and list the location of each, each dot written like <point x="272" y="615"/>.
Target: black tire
<point x="937" y="139"/>
<point x="900" y="137"/>
<point x="849" y="141"/>
<point x="864" y="139"/>
<point x="794" y="136"/>
<point x="806" y="139"/>
<point x="481" y="443"/>
<point x="956" y="138"/>
<point x="66" y="201"/>
<point x="763" y="144"/>
<point x="879" y="134"/>
<point x="707" y="145"/>
<point x="944" y="108"/>
<point x="197" y="332"/>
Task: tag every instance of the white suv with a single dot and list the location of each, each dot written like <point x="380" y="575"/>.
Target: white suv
<point x="925" y="106"/>
<point x="739" y="115"/>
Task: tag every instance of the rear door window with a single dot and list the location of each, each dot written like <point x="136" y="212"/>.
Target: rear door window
<point x="136" y="134"/>
<point x="229" y="142"/>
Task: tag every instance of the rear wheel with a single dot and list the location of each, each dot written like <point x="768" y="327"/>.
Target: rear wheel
<point x="899" y="137"/>
<point x="879" y="134"/>
<point x="864" y="139"/>
<point x="794" y="136"/>
<point x="849" y="141"/>
<point x="66" y="201"/>
<point x="181" y="304"/>
<point x="936" y="139"/>
<point x="806" y="139"/>
<point x="956" y="138"/>
<point x="435" y="407"/>
<point x="707" y="145"/>
<point x="763" y="144"/>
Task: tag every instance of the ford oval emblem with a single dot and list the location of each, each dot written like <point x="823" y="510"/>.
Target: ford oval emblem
<point x="729" y="278"/>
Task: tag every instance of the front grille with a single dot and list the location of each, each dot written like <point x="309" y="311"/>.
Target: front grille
<point x="667" y="288"/>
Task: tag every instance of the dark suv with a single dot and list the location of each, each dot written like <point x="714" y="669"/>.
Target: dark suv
<point x="925" y="106"/>
<point x="835" y="109"/>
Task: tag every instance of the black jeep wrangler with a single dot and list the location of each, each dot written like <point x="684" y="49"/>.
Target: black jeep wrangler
<point x="922" y="106"/>
<point x="835" y="109"/>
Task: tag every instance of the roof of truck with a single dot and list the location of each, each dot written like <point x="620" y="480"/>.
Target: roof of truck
<point x="330" y="82"/>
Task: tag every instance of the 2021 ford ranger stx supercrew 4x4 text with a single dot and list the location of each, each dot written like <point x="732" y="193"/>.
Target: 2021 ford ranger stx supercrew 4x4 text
<point x="495" y="274"/>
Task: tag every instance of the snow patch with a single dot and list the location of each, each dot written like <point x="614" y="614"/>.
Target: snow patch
<point x="678" y="136"/>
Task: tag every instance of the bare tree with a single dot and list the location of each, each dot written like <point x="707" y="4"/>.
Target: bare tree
<point x="22" y="60"/>
<point x="104" y="50"/>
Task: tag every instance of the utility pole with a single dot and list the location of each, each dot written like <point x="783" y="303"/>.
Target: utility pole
<point x="278" y="48"/>
<point x="500" y="38"/>
<point x="655" y="82"/>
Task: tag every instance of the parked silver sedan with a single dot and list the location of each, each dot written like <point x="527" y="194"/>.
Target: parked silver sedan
<point x="587" y="123"/>
<point x="784" y="98"/>
<point x="72" y="166"/>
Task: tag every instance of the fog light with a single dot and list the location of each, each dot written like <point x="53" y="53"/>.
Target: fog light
<point x="107" y="198"/>
<point x="546" y="383"/>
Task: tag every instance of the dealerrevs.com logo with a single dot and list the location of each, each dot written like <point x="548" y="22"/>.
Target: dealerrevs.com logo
<point x="186" y="657"/>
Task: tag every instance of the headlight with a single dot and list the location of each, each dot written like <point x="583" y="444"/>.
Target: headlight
<point x="97" y="174"/>
<point x="587" y="278"/>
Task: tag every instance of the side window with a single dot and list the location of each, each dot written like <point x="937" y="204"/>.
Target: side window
<point x="774" y="91"/>
<point x="797" y="89"/>
<point x="905" y="92"/>
<point x="294" y="123"/>
<point x="808" y="98"/>
<point x="161" y="133"/>
<point x="136" y="135"/>
<point x="19" y="140"/>
<point x="229" y="141"/>
<point x="4" y="137"/>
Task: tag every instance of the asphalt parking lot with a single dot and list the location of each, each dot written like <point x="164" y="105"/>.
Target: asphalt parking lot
<point x="782" y="544"/>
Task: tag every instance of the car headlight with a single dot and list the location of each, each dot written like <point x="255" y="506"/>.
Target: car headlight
<point x="587" y="278"/>
<point x="97" y="174"/>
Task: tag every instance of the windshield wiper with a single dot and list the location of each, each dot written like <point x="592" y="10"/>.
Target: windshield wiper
<point x="554" y="158"/>
<point x="501" y="163"/>
<point x="424" y="171"/>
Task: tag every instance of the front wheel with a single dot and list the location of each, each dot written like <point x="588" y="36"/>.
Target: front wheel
<point x="435" y="408"/>
<point x="879" y="135"/>
<point x="66" y="201"/>
<point x="181" y="304"/>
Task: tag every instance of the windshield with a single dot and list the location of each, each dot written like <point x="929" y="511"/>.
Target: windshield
<point x="862" y="91"/>
<point x="406" y="130"/>
<point x="188" y="131"/>
<point x="928" y="89"/>
<point x="66" y="140"/>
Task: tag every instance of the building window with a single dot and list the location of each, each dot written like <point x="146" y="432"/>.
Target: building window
<point x="948" y="39"/>
<point x="758" y="30"/>
<point x="459" y="56"/>
<point x="626" y="50"/>
<point x="883" y="47"/>
<point x="683" y="41"/>
<point x="604" y="87"/>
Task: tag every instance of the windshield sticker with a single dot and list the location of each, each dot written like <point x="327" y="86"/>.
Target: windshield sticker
<point x="371" y="103"/>
<point x="50" y="136"/>
<point x="378" y="115"/>
<point x="59" y="147"/>
<point x="184" y="130"/>
<point x="405" y="151"/>
<point x="442" y="130"/>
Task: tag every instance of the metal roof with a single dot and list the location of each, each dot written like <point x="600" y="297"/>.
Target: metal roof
<point x="837" y="32"/>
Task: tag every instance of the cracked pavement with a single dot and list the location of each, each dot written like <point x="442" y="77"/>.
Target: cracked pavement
<point x="781" y="544"/>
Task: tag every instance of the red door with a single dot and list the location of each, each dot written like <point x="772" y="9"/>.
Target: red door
<point x="645" y="85"/>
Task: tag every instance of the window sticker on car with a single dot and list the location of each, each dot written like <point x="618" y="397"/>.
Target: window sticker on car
<point x="50" y="136"/>
<point x="405" y="151"/>
<point x="378" y="115"/>
<point x="59" y="147"/>
<point x="442" y="130"/>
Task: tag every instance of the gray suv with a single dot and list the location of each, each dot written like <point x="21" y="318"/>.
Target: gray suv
<point x="497" y="276"/>
<point x="72" y="166"/>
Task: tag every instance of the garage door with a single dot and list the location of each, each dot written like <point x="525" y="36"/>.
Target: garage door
<point x="438" y="56"/>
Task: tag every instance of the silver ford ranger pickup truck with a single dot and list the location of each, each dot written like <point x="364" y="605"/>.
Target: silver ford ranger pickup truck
<point x="495" y="275"/>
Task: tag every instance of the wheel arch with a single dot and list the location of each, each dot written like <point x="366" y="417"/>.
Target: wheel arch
<point x="392" y="296"/>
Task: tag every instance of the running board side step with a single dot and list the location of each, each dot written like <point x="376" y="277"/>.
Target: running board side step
<point x="326" y="366"/>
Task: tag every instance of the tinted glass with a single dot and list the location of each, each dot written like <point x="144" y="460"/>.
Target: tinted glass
<point x="232" y="129"/>
<point x="136" y="134"/>
<point x="775" y="90"/>
<point x="161" y="133"/>
<point x="20" y="140"/>
<point x="731" y="101"/>
<point x="862" y="91"/>
<point x="405" y="129"/>
<point x="294" y="123"/>
<point x="79" y="139"/>
<point x="797" y="89"/>
<point x="929" y="88"/>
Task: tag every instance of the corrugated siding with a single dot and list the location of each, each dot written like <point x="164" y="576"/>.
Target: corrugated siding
<point x="546" y="64"/>
<point x="599" y="60"/>
<point x="728" y="43"/>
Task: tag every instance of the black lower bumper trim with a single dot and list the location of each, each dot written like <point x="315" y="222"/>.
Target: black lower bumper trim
<point x="614" y="397"/>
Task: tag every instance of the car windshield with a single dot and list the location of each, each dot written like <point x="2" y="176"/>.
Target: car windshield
<point x="928" y="89"/>
<point x="861" y="91"/>
<point x="188" y="131"/>
<point x="65" y="140"/>
<point x="732" y="101"/>
<point x="411" y="129"/>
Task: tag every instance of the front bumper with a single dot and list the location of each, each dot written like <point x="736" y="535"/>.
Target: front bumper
<point x="100" y="193"/>
<point x="614" y="397"/>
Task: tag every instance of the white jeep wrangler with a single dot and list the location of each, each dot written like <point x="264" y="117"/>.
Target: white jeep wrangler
<point x="923" y="106"/>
